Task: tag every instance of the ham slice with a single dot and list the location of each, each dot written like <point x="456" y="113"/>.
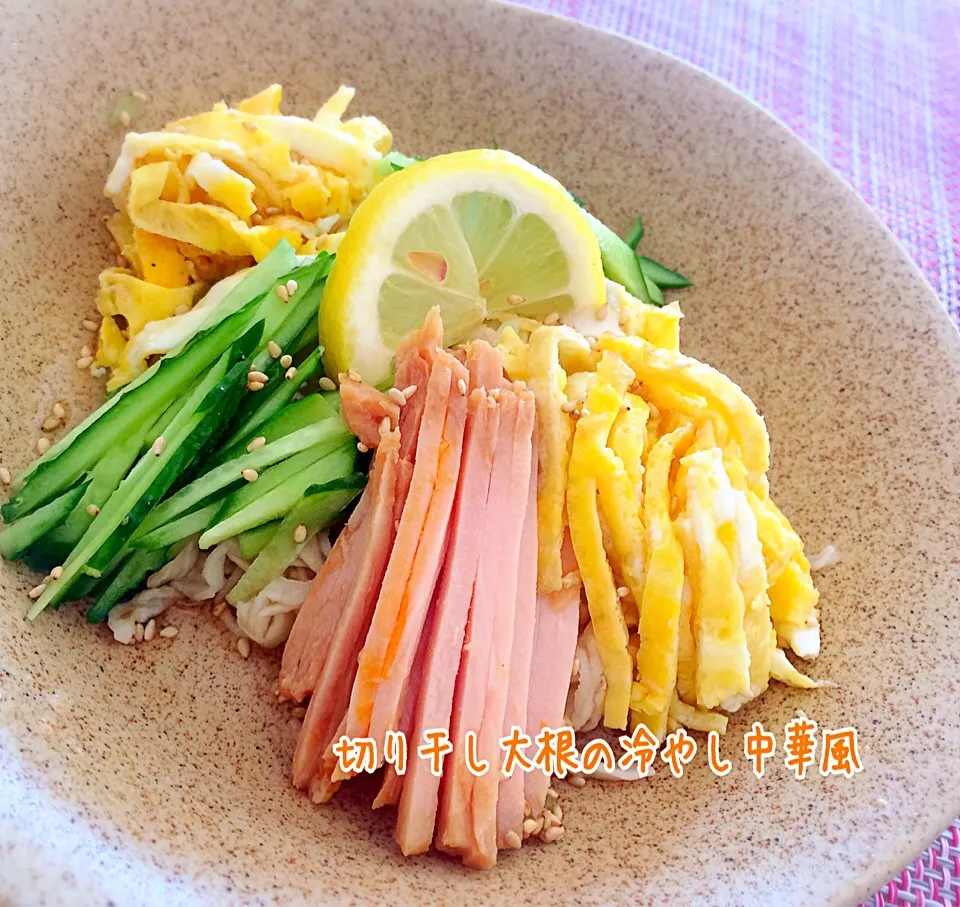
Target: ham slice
<point x="364" y="407"/>
<point x="455" y="833"/>
<point x="415" y="356"/>
<point x="497" y="589"/>
<point x="554" y="644"/>
<point x="366" y="567"/>
<point x="414" y="564"/>
<point x="418" y="803"/>
<point x="510" y="798"/>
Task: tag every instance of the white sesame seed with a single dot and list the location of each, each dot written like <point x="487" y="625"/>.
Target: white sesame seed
<point x="56" y="573"/>
<point x="90" y="325"/>
<point x="557" y="814"/>
<point x="396" y="395"/>
<point x="409" y="390"/>
<point x="462" y="386"/>
<point x="576" y="780"/>
<point x="539" y="826"/>
<point x="219" y="608"/>
<point x="527" y="811"/>
<point x="93" y="510"/>
<point x="169" y="632"/>
<point x="181" y="309"/>
<point x="138" y="632"/>
<point x="300" y="534"/>
<point x="290" y="373"/>
<point x="150" y="630"/>
<point x="354" y="376"/>
<point x="5" y="477"/>
<point x="569" y="406"/>
<point x="50" y="424"/>
<point x="124" y="118"/>
<point x="43" y="445"/>
<point x="159" y="446"/>
<point x="84" y="351"/>
<point x="256" y="218"/>
<point x="552" y="794"/>
<point x="139" y="95"/>
<point x="547" y="819"/>
<point x="384" y="425"/>
<point x="251" y="475"/>
<point x="286" y="361"/>
<point x="258" y="376"/>
<point x="529" y="826"/>
<point x="515" y="299"/>
<point x="37" y="591"/>
<point x="512" y="840"/>
<point x="270" y="211"/>
<point x="602" y="312"/>
<point x="84" y="362"/>
<point x="292" y="285"/>
<point x="250" y="127"/>
<point x="362" y="447"/>
<point x="327" y="384"/>
<point x="243" y="647"/>
<point x="97" y="371"/>
<point x="552" y="318"/>
<point x="273" y="348"/>
<point x="282" y="291"/>
<point x="256" y="444"/>
<point x="58" y="410"/>
<point x="622" y="591"/>
<point x="255" y="386"/>
<point x="550" y="835"/>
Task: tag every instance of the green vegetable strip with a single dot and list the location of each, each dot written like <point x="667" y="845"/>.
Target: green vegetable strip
<point x="634" y="234"/>
<point x="317" y="510"/>
<point x="661" y="276"/>
<point x="252" y="541"/>
<point x="177" y="529"/>
<point x="131" y="575"/>
<point x="15" y="539"/>
<point x="327" y="434"/>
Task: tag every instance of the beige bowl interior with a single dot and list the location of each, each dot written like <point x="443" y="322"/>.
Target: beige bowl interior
<point x="159" y="774"/>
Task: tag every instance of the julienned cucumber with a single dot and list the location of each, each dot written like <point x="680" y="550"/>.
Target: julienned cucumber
<point x="252" y="542"/>
<point x="319" y="507"/>
<point x="153" y="474"/>
<point x="619" y="260"/>
<point x="280" y="499"/>
<point x="16" y="539"/>
<point x="661" y="276"/>
<point x="136" y="403"/>
<point x="133" y="571"/>
<point x="329" y="434"/>
<point x="177" y="529"/>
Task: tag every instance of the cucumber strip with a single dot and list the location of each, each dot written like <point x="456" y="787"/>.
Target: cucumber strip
<point x="661" y="276"/>
<point x="278" y="501"/>
<point x="173" y="381"/>
<point x="319" y="507"/>
<point x="634" y="234"/>
<point x="252" y="541"/>
<point x="148" y="481"/>
<point x="106" y="477"/>
<point x="277" y="416"/>
<point x="656" y="294"/>
<point x="253" y="286"/>
<point x="329" y="434"/>
<point x="177" y="529"/>
<point x="619" y="260"/>
<point x="131" y="575"/>
<point x="309" y="338"/>
<point x="15" y="539"/>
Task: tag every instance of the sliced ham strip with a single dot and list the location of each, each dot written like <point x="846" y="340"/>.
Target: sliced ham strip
<point x="455" y="833"/>
<point x="554" y="643"/>
<point x="366" y="566"/>
<point x="499" y="570"/>
<point x="415" y="356"/>
<point x="418" y="803"/>
<point x="510" y="798"/>
<point x="364" y="407"/>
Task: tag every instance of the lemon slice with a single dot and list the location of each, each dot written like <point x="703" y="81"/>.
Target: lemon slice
<point x="481" y="234"/>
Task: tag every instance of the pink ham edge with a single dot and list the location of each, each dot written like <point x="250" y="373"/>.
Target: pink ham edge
<point x="554" y="644"/>
<point x="418" y="803"/>
<point x="427" y="563"/>
<point x="503" y="598"/>
<point x="366" y="568"/>
<point x="455" y="832"/>
<point x="363" y="409"/>
<point x="510" y="798"/>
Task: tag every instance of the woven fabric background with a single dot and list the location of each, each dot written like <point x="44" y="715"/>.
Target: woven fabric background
<point x="874" y="87"/>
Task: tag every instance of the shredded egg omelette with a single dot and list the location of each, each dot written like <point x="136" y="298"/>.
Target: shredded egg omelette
<point x="208" y="196"/>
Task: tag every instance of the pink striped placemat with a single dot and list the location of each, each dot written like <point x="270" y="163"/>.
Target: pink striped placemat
<point x="874" y="87"/>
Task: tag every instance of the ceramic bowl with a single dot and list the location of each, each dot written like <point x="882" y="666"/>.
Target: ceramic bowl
<point x="159" y="774"/>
